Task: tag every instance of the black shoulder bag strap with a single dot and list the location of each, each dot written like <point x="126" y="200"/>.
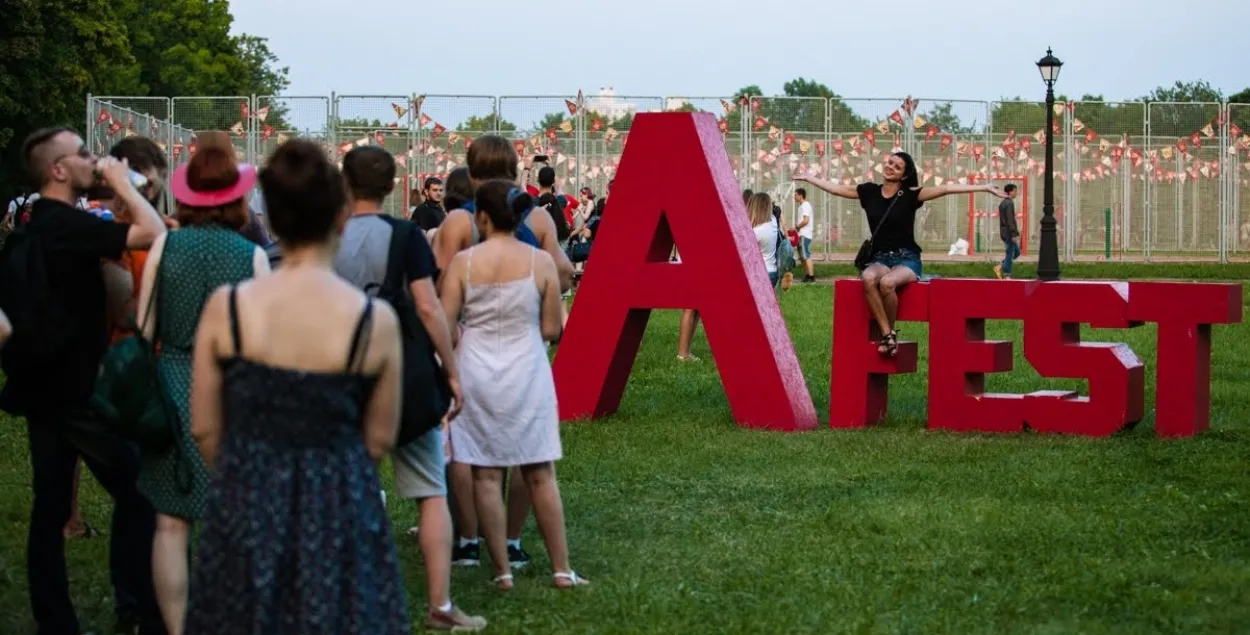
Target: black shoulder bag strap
<point x="395" y="276"/>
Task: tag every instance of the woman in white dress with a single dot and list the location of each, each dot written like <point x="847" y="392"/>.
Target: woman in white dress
<point x="506" y="294"/>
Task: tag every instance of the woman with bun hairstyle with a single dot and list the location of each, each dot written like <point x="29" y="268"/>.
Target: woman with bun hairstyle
<point x="507" y="296"/>
<point x="295" y="400"/>
<point x="182" y="269"/>
<point x="890" y="208"/>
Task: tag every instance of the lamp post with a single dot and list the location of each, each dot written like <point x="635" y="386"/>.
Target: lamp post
<point x="1048" y="255"/>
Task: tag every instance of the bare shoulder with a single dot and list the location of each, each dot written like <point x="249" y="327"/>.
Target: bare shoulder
<point x="538" y="221"/>
<point x="543" y="262"/>
<point x="385" y="320"/>
<point x="218" y="302"/>
<point x="458" y="261"/>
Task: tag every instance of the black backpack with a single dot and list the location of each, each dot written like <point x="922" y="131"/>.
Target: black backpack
<point x="42" y="327"/>
<point x="426" y="391"/>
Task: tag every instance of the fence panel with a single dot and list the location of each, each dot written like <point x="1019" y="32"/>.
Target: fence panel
<point x="608" y="119"/>
<point x="782" y="143"/>
<point x="448" y="124"/>
<point x="545" y="125"/>
<point x="945" y="135"/>
<point x="190" y="115"/>
<point x="277" y="119"/>
<point x="1183" y="148"/>
<point x="1107" y="181"/>
<point x="111" y="119"/>
<point x="381" y="120"/>
<point x="1238" y="175"/>
<point x="1021" y="124"/>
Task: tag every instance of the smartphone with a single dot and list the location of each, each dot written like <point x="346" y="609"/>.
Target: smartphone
<point x="540" y="158"/>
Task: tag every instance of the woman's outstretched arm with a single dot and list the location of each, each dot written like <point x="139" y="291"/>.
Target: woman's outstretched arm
<point x="930" y="193"/>
<point x="845" y="191"/>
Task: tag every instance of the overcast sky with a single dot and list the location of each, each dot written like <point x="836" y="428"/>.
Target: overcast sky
<point x="953" y="49"/>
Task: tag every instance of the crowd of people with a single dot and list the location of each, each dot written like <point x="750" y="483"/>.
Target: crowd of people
<point x="285" y="384"/>
<point x="282" y="380"/>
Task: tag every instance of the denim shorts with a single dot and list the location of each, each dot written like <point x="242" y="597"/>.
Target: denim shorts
<point x="420" y="467"/>
<point x="805" y="248"/>
<point x="896" y="257"/>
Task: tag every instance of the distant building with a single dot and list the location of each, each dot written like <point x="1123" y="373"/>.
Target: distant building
<point x="608" y="105"/>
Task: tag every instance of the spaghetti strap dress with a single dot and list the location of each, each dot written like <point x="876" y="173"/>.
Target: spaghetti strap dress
<point x="295" y="536"/>
<point x="510" y="415"/>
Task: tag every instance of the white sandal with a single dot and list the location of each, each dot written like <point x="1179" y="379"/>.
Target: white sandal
<point x="500" y="579"/>
<point x="574" y="579"/>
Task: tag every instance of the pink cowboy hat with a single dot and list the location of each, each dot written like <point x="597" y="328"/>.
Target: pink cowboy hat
<point x="215" y="198"/>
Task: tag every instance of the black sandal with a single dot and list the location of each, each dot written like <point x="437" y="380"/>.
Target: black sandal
<point x="890" y="344"/>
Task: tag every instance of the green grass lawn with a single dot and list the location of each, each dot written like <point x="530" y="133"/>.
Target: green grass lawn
<point x="687" y="524"/>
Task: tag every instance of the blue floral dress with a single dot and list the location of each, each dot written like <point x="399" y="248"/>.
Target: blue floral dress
<point x="296" y="539"/>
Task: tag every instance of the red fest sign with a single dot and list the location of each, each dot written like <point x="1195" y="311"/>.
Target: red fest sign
<point x="681" y="188"/>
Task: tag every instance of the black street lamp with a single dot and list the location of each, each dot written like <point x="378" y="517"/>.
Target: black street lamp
<point x="1048" y="256"/>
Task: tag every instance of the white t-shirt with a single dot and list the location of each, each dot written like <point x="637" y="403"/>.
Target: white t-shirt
<point x="805" y="211"/>
<point x="766" y="236"/>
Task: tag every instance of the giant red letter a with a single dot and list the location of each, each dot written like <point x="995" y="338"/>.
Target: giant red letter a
<point x="675" y="183"/>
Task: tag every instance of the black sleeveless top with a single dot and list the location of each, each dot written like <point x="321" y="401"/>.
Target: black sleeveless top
<point x="295" y="407"/>
<point x="899" y="230"/>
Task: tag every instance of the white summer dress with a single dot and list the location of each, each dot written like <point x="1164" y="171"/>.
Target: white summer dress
<point x="509" y="416"/>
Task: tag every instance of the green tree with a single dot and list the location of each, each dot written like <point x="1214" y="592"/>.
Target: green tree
<point x="184" y="48"/>
<point x="943" y="117"/>
<point x="54" y="52"/>
<point x="360" y="123"/>
<point x="1109" y="119"/>
<point x="1173" y="111"/>
<point x="799" y="115"/>
<point x="488" y="123"/>
<point x="1024" y="117"/>
<point x="1240" y="114"/>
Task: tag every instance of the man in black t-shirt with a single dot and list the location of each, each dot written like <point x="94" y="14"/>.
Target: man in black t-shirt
<point x="430" y="213"/>
<point x="53" y="393"/>
<point x="1008" y="231"/>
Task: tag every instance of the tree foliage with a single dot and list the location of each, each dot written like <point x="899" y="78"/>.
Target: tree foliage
<point x="489" y="123"/>
<point x="800" y="108"/>
<point x="54" y="52"/>
<point x="943" y="117"/>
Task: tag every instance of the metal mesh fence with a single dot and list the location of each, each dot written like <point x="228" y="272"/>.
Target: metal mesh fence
<point x="545" y="125"/>
<point x="1108" y="186"/>
<point x="1184" y="149"/>
<point x="276" y="119"/>
<point x="386" y="121"/>
<point x="1237" y="173"/>
<point x="1132" y="180"/>
<point x="446" y="125"/>
<point x="111" y="119"/>
<point x="782" y="143"/>
<point x="1018" y="137"/>
<point x="950" y="142"/>
<point x="193" y="114"/>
